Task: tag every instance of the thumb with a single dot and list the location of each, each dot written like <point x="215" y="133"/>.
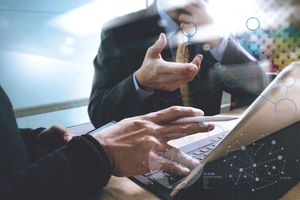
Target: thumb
<point x="155" y="50"/>
<point x="197" y="60"/>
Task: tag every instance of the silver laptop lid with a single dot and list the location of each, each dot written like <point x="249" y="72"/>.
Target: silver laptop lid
<point x="276" y="108"/>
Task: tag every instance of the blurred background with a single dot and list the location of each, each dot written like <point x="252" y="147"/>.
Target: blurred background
<point x="46" y="54"/>
<point x="47" y="48"/>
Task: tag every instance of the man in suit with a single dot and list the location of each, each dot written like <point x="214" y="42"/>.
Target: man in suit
<point x="135" y="73"/>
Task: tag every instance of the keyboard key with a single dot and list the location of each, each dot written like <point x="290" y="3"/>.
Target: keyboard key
<point x="201" y="157"/>
<point x="211" y="147"/>
<point x="156" y="176"/>
<point x="165" y="179"/>
<point x="204" y="150"/>
<point x="197" y="152"/>
<point x="173" y="179"/>
<point x="215" y="140"/>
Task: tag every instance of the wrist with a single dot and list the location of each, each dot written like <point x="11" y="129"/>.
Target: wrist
<point x="140" y="82"/>
<point x="105" y="146"/>
<point x="87" y="154"/>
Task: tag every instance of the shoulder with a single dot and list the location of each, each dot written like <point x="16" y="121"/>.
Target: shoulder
<point x="134" y="20"/>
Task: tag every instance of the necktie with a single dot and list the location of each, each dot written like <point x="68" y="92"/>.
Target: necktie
<point x="182" y="56"/>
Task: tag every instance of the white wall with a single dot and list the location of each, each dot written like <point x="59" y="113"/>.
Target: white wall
<point x="47" y="49"/>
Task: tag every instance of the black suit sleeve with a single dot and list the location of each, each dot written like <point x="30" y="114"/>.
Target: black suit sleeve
<point x="75" y="171"/>
<point x="113" y="94"/>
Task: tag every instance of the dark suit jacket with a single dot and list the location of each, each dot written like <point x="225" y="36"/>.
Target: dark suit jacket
<point x="77" y="170"/>
<point x="124" y="42"/>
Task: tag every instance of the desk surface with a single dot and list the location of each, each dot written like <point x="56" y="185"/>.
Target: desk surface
<point x="124" y="189"/>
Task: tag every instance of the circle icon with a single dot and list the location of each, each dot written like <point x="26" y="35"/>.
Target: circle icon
<point x="253" y="24"/>
<point x="285" y="109"/>
<point x="188" y="29"/>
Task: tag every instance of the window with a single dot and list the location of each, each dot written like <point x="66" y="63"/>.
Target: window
<point x="46" y="52"/>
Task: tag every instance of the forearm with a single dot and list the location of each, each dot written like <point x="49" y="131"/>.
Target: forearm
<point x="74" y="171"/>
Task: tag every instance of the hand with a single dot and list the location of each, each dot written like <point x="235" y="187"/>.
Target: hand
<point x="193" y="11"/>
<point x="139" y="144"/>
<point x="191" y="14"/>
<point x="54" y="136"/>
<point x="157" y="74"/>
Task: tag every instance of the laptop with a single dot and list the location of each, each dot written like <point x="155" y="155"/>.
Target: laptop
<point x="279" y="103"/>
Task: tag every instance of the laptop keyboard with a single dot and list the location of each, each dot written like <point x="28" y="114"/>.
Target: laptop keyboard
<point x="171" y="180"/>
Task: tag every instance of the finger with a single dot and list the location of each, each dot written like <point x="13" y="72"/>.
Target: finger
<point x="198" y="60"/>
<point x="178" y="156"/>
<point x="179" y="69"/>
<point x="173" y="113"/>
<point x="176" y="81"/>
<point x="176" y="131"/>
<point x="189" y="75"/>
<point x="171" y="166"/>
<point x="180" y="11"/>
<point x="189" y="8"/>
<point x="155" y="50"/>
<point x="184" y="18"/>
<point x="190" y="71"/>
<point x="194" y="7"/>
<point x="53" y="136"/>
<point x="62" y="132"/>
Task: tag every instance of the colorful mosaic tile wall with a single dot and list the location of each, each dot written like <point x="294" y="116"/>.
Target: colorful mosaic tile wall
<point x="279" y="42"/>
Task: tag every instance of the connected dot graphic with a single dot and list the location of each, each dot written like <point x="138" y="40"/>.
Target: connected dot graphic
<point x="253" y="24"/>
<point x="259" y="165"/>
<point x="285" y="108"/>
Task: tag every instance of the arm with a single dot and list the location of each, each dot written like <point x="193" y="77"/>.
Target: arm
<point x="83" y="166"/>
<point x="113" y="96"/>
<point x="41" y="141"/>
<point x="74" y="171"/>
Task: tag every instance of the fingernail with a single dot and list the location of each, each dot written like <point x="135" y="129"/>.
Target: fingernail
<point x="201" y="112"/>
<point x="210" y="127"/>
<point x="160" y="36"/>
<point x="200" y="56"/>
<point x="185" y="171"/>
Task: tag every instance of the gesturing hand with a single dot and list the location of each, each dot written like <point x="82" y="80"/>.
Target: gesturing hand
<point x="139" y="144"/>
<point x="157" y="74"/>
